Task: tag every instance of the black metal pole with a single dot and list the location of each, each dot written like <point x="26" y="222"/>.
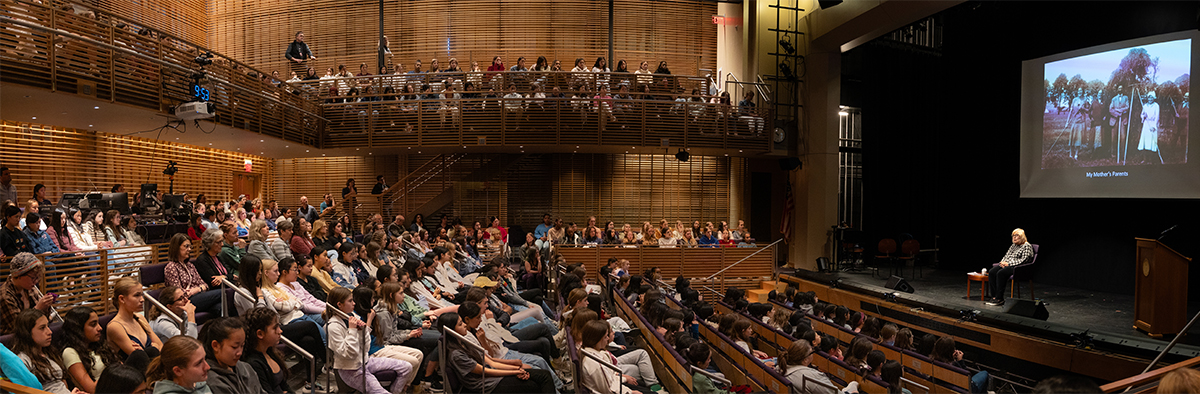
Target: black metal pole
<point x="380" y="49"/>
<point x="610" y="35"/>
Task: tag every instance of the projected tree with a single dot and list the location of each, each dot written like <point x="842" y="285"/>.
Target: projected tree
<point x="1137" y="70"/>
<point x="1184" y="82"/>
<point x="1059" y="88"/>
<point x="1074" y="85"/>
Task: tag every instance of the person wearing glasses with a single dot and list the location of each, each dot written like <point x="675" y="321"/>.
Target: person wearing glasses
<point x="177" y="301"/>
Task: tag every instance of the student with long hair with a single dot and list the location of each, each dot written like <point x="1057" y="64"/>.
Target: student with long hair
<point x="892" y="371"/>
<point x="304" y="333"/>
<point x="322" y="269"/>
<point x="343" y="268"/>
<point x="128" y="331"/>
<point x="32" y="346"/>
<point x="173" y="298"/>
<point x="364" y="305"/>
<point x="795" y="363"/>
<point x="944" y="351"/>
<point x="701" y="356"/>
<point x="260" y="352"/>
<point x="479" y="372"/>
<point x="84" y="352"/>
<point x="180" y="369"/>
<point x="596" y="336"/>
<point x="223" y="340"/>
<point x="345" y="342"/>
<point x="289" y="307"/>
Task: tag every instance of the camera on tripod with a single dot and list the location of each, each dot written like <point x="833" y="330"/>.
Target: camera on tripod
<point x="171" y="168"/>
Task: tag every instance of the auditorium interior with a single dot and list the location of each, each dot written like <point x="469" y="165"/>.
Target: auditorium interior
<point x="793" y="169"/>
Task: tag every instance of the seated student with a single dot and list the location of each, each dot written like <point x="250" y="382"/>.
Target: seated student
<point x="887" y="335"/>
<point x="904" y="340"/>
<point x="743" y="334"/>
<point x="944" y="351"/>
<point x="303" y="332"/>
<point x="223" y="339"/>
<point x="519" y="316"/>
<point x="874" y="362"/>
<point x="260" y="351"/>
<point x="595" y="339"/>
<point x="32" y="345"/>
<point x="16" y="294"/>
<point x="129" y="332"/>
<point x="344" y="341"/>
<point x="119" y="378"/>
<point x="289" y="307"/>
<point x="472" y="315"/>
<point x="173" y="298"/>
<point x="39" y="239"/>
<point x="892" y="371"/>
<point x="343" y="270"/>
<point x="830" y="347"/>
<point x="480" y="372"/>
<point x="364" y="305"/>
<point x="318" y="280"/>
<point x="870" y="327"/>
<point x="925" y="346"/>
<point x="701" y="356"/>
<point x="84" y="353"/>
<point x="860" y="347"/>
<point x="12" y="239"/>
<point x="290" y="271"/>
<point x="180" y="369"/>
<point x="534" y="339"/>
<point x="795" y="366"/>
<point x="856" y="322"/>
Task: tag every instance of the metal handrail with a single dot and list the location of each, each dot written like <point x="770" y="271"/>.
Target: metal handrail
<point x="712" y="376"/>
<point x="170" y="315"/>
<point x="904" y="382"/>
<point x="763" y="86"/>
<point x="462" y="341"/>
<point x="743" y="259"/>
<point x="312" y="372"/>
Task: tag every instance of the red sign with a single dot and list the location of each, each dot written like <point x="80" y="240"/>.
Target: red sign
<point x="249" y="164"/>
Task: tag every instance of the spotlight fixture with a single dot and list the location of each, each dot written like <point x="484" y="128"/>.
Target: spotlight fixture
<point x="682" y="155"/>
<point x="786" y="71"/>
<point x="787" y="46"/>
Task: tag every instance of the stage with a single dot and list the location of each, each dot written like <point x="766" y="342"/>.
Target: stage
<point x="1084" y="309"/>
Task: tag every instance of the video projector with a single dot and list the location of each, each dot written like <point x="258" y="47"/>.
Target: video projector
<point x="195" y="110"/>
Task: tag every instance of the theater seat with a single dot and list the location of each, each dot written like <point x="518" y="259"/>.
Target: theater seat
<point x="153" y="274"/>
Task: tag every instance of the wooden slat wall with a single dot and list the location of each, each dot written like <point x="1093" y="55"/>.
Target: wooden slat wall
<point x="187" y="19"/>
<point x="72" y="161"/>
<point x="637" y="188"/>
<point x="313" y="177"/>
<point x="257" y="32"/>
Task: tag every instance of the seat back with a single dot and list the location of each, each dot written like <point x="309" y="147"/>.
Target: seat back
<point x="910" y="247"/>
<point x="887" y="246"/>
<point x="1024" y="271"/>
<point x="153" y="274"/>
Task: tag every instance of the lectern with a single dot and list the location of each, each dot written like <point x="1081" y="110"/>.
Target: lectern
<point x="1161" y="288"/>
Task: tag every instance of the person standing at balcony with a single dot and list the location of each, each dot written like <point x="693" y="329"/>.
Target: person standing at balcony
<point x="380" y="186"/>
<point x="299" y="53"/>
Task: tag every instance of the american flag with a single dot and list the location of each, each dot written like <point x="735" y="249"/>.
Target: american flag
<point x="785" y="225"/>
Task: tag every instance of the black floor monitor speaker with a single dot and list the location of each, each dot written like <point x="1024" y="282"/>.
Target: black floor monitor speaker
<point x="1027" y="308"/>
<point x="899" y="284"/>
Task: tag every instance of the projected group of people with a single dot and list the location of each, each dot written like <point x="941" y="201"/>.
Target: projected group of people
<point x="1138" y="116"/>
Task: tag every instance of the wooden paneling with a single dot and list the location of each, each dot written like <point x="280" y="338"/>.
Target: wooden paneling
<point x="313" y="177"/>
<point x="78" y="161"/>
<point x="638" y="188"/>
<point x="340" y="32"/>
<point x="187" y="19"/>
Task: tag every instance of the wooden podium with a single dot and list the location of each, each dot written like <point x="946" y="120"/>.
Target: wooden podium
<point x="1161" y="289"/>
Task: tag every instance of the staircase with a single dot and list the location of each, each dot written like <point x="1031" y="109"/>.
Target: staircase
<point x="431" y="186"/>
<point x="765" y="288"/>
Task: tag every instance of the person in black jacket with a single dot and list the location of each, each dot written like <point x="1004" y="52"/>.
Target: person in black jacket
<point x="12" y="239"/>
<point x="262" y="334"/>
<point x="298" y="52"/>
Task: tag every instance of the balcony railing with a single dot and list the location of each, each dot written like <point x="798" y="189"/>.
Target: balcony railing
<point x="49" y="45"/>
<point x="532" y="109"/>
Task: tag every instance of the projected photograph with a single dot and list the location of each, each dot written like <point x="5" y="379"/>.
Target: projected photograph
<point x="1124" y="107"/>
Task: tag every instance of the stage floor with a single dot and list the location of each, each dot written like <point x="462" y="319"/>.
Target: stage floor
<point x="1085" y="309"/>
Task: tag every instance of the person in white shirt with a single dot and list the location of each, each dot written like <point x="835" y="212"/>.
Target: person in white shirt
<point x="794" y="365"/>
<point x="597" y="334"/>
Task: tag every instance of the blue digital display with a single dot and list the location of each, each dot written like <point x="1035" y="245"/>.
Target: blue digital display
<point x="200" y="93"/>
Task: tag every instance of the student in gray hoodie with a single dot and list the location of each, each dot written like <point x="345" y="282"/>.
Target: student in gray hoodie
<point x="180" y="368"/>
<point x="223" y="340"/>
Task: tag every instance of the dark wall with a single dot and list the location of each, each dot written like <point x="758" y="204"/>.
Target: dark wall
<point x="941" y="135"/>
